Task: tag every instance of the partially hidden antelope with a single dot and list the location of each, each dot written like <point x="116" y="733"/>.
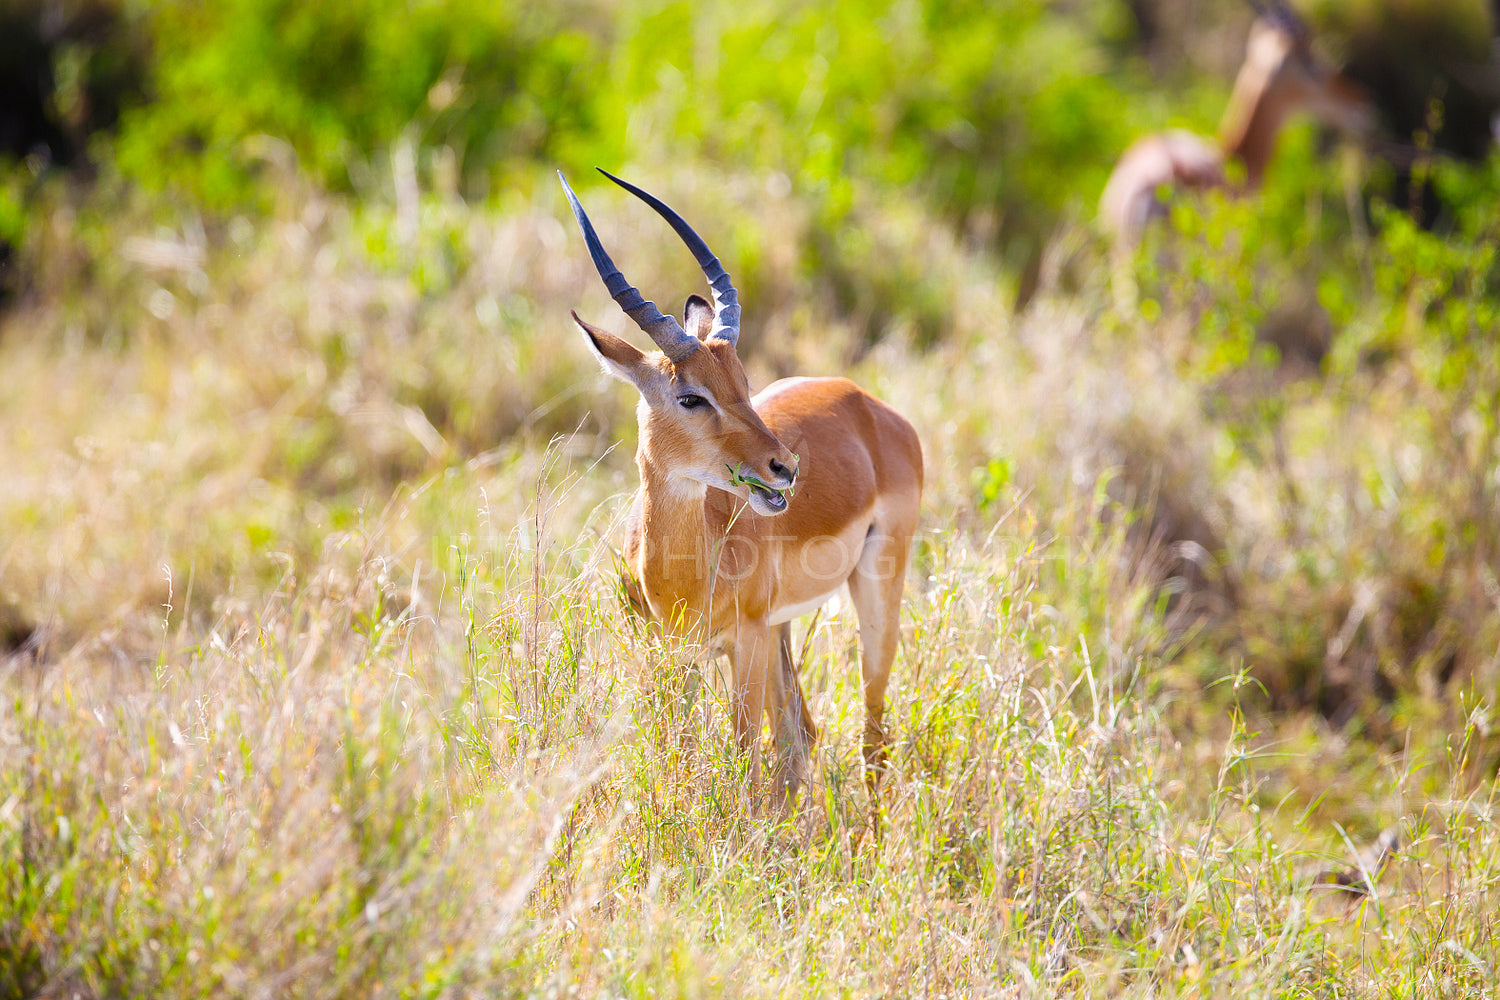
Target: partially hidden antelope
<point x="1281" y="76"/>
<point x="754" y="510"/>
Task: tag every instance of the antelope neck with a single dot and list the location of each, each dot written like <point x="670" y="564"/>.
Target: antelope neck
<point x="1251" y="122"/>
<point x="678" y="536"/>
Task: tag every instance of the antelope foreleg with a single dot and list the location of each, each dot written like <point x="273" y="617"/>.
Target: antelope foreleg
<point x="750" y="659"/>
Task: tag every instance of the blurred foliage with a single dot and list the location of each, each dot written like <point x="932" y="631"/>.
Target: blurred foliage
<point x="337" y="82"/>
<point x="1430" y="66"/>
<point x="1003" y="114"/>
<point x="67" y="67"/>
<point x="1346" y="354"/>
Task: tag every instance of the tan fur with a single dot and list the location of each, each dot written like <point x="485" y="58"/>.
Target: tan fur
<point x="713" y="569"/>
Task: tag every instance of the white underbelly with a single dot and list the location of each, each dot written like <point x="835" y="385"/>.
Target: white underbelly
<point x="817" y="570"/>
<point x="791" y="611"/>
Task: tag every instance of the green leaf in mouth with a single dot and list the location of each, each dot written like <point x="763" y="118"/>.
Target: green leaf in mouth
<point x="736" y="478"/>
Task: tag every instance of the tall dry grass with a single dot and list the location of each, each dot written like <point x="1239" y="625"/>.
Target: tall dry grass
<point x="326" y="690"/>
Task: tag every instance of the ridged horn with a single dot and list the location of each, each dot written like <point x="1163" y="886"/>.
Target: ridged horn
<point x="675" y="342"/>
<point x="726" y="299"/>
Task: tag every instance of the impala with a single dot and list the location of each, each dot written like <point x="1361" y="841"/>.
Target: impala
<point x="1280" y="76"/>
<point x="754" y="510"/>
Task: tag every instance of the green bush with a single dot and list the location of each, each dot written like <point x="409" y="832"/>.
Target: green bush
<point x="1000" y="114"/>
<point x="339" y="82"/>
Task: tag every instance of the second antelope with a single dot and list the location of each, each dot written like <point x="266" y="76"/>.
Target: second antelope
<point x="754" y="510"/>
<point x="1281" y="75"/>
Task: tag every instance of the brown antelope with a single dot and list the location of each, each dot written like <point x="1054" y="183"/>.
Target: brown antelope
<point x="1280" y="76"/>
<point x="752" y="511"/>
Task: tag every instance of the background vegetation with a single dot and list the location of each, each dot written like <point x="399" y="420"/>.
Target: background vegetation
<point x="315" y="679"/>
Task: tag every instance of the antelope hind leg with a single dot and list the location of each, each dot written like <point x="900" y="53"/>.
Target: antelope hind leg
<point x="875" y="587"/>
<point x="790" y="719"/>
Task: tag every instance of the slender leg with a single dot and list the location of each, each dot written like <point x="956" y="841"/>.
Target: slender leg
<point x="793" y="681"/>
<point x="875" y="587"/>
<point x="789" y="717"/>
<point x="750" y="656"/>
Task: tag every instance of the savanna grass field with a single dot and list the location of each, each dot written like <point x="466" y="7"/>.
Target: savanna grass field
<point x="317" y="676"/>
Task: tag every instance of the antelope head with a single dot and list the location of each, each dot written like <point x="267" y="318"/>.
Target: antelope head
<point x="1282" y="74"/>
<point x="695" y="415"/>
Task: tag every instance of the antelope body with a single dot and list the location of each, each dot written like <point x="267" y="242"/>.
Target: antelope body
<point x="752" y="511"/>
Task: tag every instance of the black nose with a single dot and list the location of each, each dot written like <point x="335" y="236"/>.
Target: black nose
<point x="777" y="469"/>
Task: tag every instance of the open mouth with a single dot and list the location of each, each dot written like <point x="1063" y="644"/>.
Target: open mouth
<point x="774" y="500"/>
<point x="765" y="499"/>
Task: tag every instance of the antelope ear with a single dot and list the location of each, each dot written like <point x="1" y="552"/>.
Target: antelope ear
<point x="619" y="358"/>
<point x="698" y="317"/>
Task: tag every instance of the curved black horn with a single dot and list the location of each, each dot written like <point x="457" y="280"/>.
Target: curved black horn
<point x="726" y="299"/>
<point x="675" y="342"/>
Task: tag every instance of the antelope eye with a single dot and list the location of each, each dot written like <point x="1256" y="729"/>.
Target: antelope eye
<point x="689" y="401"/>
